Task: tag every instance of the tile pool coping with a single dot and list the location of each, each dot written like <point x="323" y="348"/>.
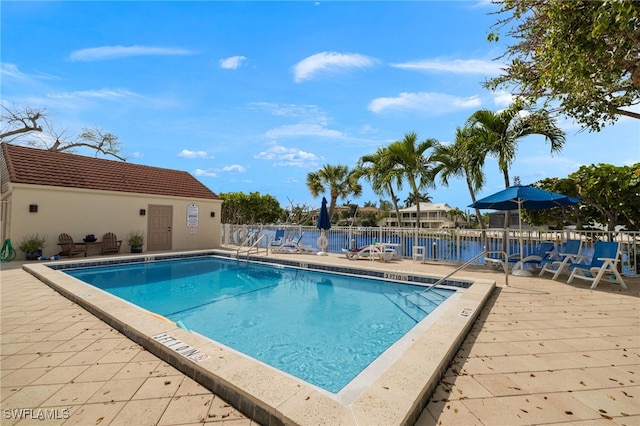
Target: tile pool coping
<point x="397" y="394"/>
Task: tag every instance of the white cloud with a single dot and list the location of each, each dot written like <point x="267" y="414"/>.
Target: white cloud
<point x="459" y="66"/>
<point x="113" y="52"/>
<point x="234" y="168"/>
<point x="426" y="102"/>
<point x="503" y="99"/>
<point x="93" y="94"/>
<point x="12" y="71"/>
<point x="303" y="112"/>
<point x="232" y="62"/>
<point x="283" y="156"/>
<point x="205" y="173"/>
<point x="297" y="130"/>
<point x="186" y="153"/>
<point x="332" y="62"/>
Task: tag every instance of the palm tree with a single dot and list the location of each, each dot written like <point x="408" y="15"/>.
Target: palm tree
<point x="499" y="133"/>
<point x="422" y="198"/>
<point x="337" y="180"/>
<point x="465" y="158"/>
<point x="454" y="214"/>
<point x="382" y="174"/>
<point x="408" y="155"/>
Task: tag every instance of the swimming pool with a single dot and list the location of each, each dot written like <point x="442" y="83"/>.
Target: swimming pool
<point x="320" y="327"/>
<point x="392" y="390"/>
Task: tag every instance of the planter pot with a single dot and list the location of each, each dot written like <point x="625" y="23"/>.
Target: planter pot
<point x="136" y="249"/>
<point x="34" y="255"/>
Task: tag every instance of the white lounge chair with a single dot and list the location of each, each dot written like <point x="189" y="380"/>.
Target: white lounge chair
<point x="603" y="265"/>
<point x="294" y="246"/>
<point x="278" y="239"/>
<point x="371" y="252"/>
<point x="568" y="255"/>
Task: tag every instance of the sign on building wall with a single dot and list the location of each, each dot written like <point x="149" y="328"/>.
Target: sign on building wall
<point x="192" y="215"/>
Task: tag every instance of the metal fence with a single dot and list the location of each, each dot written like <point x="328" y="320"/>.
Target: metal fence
<point x="452" y="245"/>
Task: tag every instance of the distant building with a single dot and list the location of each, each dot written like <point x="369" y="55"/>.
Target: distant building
<point x="496" y="219"/>
<point x="432" y="216"/>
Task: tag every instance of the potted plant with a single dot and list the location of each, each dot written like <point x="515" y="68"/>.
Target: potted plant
<point x="136" y="241"/>
<point x="32" y="246"/>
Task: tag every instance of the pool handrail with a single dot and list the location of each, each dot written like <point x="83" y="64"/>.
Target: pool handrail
<point x="467" y="263"/>
<point x="252" y="246"/>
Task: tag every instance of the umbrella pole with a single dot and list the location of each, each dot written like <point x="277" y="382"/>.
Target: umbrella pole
<point x="520" y="271"/>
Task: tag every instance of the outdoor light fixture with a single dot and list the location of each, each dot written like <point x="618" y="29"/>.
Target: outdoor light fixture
<point x="213" y="214"/>
<point x="143" y="212"/>
<point x="33" y="208"/>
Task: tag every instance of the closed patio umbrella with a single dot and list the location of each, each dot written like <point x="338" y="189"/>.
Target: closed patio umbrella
<point x="324" y="224"/>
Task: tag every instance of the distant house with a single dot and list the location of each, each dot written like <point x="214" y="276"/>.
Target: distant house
<point x="432" y="216"/>
<point x="53" y="192"/>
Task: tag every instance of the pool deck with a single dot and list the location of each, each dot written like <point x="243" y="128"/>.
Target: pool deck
<point x="540" y="352"/>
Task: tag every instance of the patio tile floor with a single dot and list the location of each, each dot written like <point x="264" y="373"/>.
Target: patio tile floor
<point x="541" y="352"/>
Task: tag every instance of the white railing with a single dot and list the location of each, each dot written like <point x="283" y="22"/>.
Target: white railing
<point x="450" y="245"/>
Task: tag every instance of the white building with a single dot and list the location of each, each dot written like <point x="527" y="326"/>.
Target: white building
<point x="432" y="216"/>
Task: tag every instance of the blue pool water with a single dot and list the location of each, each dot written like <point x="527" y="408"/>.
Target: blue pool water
<point x="320" y="327"/>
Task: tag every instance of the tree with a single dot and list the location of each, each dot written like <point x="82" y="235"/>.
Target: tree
<point x="409" y="156"/>
<point x="580" y="54"/>
<point x="240" y="208"/>
<point x="463" y="157"/>
<point x="559" y="217"/>
<point x="383" y="175"/>
<point x="299" y="213"/>
<point x="499" y="133"/>
<point x="338" y="181"/>
<point x="32" y="123"/>
<point x="610" y="196"/>
<point x="422" y="198"/>
<point x="614" y="192"/>
<point x="19" y="122"/>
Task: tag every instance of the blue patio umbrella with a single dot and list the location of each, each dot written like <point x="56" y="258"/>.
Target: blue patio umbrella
<point x="324" y="224"/>
<point x="517" y="197"/>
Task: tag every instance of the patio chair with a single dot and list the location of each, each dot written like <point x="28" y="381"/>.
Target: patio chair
<point x="69" y="248"/>
<point x="567" y="256"/>
<point x="370" y="252"/>
<point x="110" y="243"/>
<point x="278" y="239"/>
<point x="603" y="265"/>
<point x="545" y="251"/>
<point x="293" y="247"/>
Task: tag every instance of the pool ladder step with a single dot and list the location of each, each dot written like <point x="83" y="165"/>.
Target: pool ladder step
<point x="412" y="310"/>
<point x="424" y="295"/>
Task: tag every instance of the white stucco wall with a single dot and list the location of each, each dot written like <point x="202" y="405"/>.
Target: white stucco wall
<point x="79" y="212"/>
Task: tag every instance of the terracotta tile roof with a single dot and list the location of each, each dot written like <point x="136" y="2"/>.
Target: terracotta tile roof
<point x="41" y="167"/>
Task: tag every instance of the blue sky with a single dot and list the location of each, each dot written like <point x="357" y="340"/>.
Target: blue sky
<point x="252" y="96"/>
